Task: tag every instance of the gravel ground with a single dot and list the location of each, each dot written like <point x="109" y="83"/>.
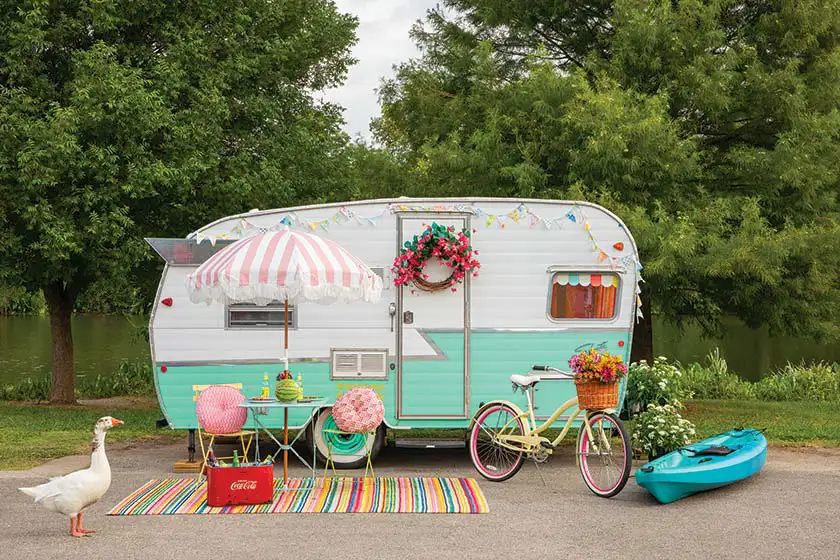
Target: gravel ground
<point x="789" y="510"/>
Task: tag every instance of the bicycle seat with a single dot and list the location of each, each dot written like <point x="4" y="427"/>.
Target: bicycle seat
<point x="525" y="380"/>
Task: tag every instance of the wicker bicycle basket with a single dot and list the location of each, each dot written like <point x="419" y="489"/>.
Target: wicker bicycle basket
<point x="594" y="395"/>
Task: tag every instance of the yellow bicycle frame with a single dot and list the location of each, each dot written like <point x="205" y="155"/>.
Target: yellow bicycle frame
<point x="531" y="440"/>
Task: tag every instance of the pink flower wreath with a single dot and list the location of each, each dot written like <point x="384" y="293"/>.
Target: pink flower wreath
<point x="440" y="242"/>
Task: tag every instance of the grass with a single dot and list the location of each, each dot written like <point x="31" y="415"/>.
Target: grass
<point x="33" y="433"/>
<point x="786" y="423"/>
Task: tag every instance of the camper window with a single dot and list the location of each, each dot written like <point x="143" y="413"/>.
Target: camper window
<point x="583" y="296"/>
<point x="253" y="316"/>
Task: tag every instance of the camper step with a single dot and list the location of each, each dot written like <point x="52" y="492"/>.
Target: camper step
<point x="417" y="443"/>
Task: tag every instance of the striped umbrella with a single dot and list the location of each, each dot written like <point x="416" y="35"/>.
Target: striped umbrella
<point x="282" y="266"/>
<point x="285" y="266"/>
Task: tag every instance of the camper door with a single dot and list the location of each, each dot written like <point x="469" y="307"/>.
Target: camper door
<point x="433" y="339"/>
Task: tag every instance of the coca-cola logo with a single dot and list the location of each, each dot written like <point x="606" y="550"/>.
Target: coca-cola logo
<point x="243" y="485"/>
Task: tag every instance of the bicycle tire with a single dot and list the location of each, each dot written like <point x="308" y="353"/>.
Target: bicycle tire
<point x="585" y="457"/>
<point x="494" y="462"/>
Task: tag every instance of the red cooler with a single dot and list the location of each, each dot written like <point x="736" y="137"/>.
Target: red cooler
<point x="228" y="486"/>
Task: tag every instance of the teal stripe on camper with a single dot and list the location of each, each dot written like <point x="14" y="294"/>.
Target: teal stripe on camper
<point x="431" y="387"/>
<point x="497" y="355"/>
<point x="176" y="393"/>
<point x="436" y="387"/>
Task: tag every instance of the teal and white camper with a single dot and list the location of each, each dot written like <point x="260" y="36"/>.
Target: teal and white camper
<point x="556" y="277"/>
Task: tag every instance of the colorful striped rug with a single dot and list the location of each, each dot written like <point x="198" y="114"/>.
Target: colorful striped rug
<point x="179" y="496"/>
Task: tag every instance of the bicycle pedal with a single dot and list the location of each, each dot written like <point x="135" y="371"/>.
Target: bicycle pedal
<point x="546" y="445"/>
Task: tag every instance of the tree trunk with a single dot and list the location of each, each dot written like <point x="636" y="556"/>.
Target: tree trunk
<point x="60" y="306"/>
<point x="643" y="334"/>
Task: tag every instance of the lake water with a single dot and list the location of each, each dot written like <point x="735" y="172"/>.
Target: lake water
<point x="101" y="342"/>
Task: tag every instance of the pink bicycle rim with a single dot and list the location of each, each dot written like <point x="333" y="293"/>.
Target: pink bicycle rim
<point x="474" y="438"/>
<point x="585" y="444"/>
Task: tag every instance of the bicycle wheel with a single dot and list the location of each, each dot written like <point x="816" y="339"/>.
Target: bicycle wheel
<point x="491" y="460"/>
<point x="606" y="459"/>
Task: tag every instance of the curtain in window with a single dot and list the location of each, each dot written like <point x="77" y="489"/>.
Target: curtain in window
<point x="584" y="296"/>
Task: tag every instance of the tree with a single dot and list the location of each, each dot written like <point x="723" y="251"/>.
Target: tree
<point x="712" y="128"/>
<point x="123" y="119"/>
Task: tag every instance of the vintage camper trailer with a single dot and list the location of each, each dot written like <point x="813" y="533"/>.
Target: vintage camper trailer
<point x="556" y="277"/>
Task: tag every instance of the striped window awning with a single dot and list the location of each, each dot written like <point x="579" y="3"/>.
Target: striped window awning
<point x="579" y="279"/>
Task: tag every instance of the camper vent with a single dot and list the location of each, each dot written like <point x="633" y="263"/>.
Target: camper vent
<point x="359" y="364"/>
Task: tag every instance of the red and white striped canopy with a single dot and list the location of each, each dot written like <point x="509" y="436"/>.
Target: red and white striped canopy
<point x="283" y="265"/>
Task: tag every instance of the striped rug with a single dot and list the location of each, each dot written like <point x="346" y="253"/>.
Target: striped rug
<point x="181" y="496"/>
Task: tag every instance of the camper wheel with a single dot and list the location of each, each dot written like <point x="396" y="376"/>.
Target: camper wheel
<point x="348" y="451"/>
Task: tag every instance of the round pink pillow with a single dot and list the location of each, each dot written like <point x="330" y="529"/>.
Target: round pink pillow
<point x="359" y="410"/>
<point x="218" y="410"/>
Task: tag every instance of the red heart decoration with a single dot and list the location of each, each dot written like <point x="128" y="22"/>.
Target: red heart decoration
<point x="619" y="245"/>
<point x="167" y="302"/>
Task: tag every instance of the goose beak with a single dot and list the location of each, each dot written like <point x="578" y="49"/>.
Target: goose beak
<point x="116" y="422"/>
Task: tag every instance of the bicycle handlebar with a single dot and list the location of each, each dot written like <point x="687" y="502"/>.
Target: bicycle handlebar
<point x="552" y="369"/>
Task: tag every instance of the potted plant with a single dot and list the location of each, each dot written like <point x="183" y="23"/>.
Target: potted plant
<point x="660" y="429"/>
<point x="596" y="378"/>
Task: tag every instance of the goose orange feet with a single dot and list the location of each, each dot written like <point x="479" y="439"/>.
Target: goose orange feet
<point x="79" y="526"/>
<point x="74" y="532"/>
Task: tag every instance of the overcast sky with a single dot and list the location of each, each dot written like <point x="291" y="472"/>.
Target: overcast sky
<point x="383" y="42"/>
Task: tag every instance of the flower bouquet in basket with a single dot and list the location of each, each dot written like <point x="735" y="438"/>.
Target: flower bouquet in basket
<point x="596" y="378"/>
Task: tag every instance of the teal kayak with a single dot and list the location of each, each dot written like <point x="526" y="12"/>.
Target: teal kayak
<point x="707" y="464"/>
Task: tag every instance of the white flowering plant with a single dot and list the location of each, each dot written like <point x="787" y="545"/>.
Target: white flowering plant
<point x="660" y="429"/>
<point x="660" y="383"/>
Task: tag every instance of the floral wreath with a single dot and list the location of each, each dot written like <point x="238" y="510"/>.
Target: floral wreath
<point x="441" y="242"/>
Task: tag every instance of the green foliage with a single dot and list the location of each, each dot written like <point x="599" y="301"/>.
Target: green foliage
<point x="35" y="389"/>
<point x="711" y="128"/>
<point x="715" y="381"/>
<point x="126" y="119"/>
<point x="129" y="379"/>
<point x="660" y="383"/>
<point x="661" y="429"/>
<point x="817" y="382"/>
<point x="16" y="300"/>
<point x="116" y="294"/>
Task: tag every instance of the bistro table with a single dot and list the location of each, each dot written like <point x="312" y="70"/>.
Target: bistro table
<point x="259" y="408"/>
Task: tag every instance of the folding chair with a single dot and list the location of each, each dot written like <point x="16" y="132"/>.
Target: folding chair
<point x="218" y="418"/>
<point x="331" y="434"/>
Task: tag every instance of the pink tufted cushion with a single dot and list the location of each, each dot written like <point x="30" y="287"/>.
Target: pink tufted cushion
<point x="218" y="410"/>
<point x="358" y="410"/>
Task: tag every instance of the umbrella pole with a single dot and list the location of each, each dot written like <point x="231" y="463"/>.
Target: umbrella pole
<point x="285" y="409"/>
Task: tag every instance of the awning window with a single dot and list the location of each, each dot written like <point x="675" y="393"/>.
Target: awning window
<point x="582" y="279"/>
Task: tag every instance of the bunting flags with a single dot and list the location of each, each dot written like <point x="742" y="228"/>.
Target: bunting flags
<point x="573" y="216"/>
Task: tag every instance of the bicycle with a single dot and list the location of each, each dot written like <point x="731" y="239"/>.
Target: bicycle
<point x="502" y="435"/>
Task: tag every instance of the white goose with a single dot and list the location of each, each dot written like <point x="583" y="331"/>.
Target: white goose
<point x="72" y="493"/>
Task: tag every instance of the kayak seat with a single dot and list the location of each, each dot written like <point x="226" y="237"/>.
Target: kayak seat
<point x="714" y="450"/>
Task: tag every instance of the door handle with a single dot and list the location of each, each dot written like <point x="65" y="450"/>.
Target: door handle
<point x="392" y="311"/>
